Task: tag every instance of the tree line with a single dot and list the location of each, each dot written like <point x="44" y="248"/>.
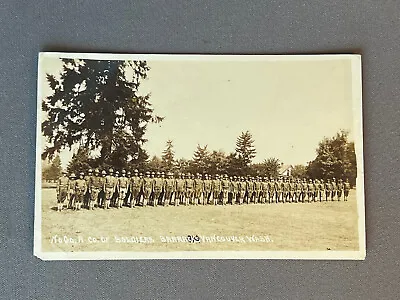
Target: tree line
<point x="97" y="106"/>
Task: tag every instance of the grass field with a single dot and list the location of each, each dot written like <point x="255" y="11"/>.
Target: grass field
<point x="291" y="226"/>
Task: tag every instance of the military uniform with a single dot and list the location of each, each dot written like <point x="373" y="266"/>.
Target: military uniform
<point x="72" y="191"/>
<point x="207" y="190"/>
<point x="292" y="190"/>
<point x="96" y="188"/>
<point x="234" y="190"/>
<point x="340" y="187"/>
<point x="311" y="190"/>
<point x="88" y="196"/>
<point x="225" y="189"/>
<point x="123" y="185"/>
<point x="170" y="188"/>
<point x="216" y="187"/>
<point x="257" y="190"/>
<point x="189" y="184"/>
<point x="334" y="189"/>
<point x="80" y="191"/>
<point x="198" y="190"/>
<point x="134" y="189"/>
<point x="110" y="186"/>
<point x="62" y="191"/>
<point x="147" y="188"/>
<point x="328" y="189"/>
<point x="249" y="190"/>
<point x="241" y="190"/>
<point x="158" y="185"/>
<point x="346" y="189"/>
<point x="180" y="190"/>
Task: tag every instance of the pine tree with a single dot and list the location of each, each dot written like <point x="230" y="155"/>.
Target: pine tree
<point x="245" y="149"/>
<point x="200" y="161"/>
<point x="95" y="104"/>
<point x="168" y="157"/>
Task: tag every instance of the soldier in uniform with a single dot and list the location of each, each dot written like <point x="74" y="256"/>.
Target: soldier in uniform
<point x="321" y="190"/>
<point x="216" y="187"/>
<point x="340" y="187"/>
<point x="234" y="189"/>
<point x="110" y="185"/>
<point x="334" y="189"/>
<point x="224" y="189"/>
<point x="62" y="190"/>
<point x="80" y="191"/>
<point x="189" y="184"/>
<point x="271" y="190"/>
<point x="249" y="189"/>
<point x="291" y="188"/>
<point x="71" y="191"/>
<point x="180" y="190"/>
<point x="198" y="190"/>
<point x="304" y="190"/>
<point x="123" y="184"/>
<point x="114" y="198"/>
<point x="88" y="178"/>
<point x="257" y="189"/>
<point x="158" y="186"/>
<point x="297" y="194"/>
<point x="134" y="188"/>
<point x="346" y="189"/>
<point x="170" y="188"/>
<point x="328" y="189"/>
<point x="207" y="196"/>
<point x="311" y="190"/>
<point x="285" y="190"/>
<point x="147" y="188"/>
<point x="102" y="193"/>
<point x="96" y="187"/>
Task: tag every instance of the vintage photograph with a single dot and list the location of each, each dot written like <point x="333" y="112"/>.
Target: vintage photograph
<point x="199" y="156"/>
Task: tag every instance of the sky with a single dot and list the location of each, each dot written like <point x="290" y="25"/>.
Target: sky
<point x="288" y="106"/>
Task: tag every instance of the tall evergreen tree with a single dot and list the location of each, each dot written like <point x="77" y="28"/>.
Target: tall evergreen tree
<point x="245" y="149"/>
<point x="200" y="161"/>
<point x="95" y="103"/>
<point x="168" y="157"/>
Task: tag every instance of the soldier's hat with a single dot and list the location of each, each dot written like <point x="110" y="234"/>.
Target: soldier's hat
<point x="340" y="179"/>
<point x="310" y="180"/>
<point x="136" y="171"/>
<point x="103" y="172"/>
<point x="162" y="173"/>
<point x="64" y="172"/>
<point x="140" y="174"/>
<point x="333" y="178"/>
<point x="90" y="171"/>
<point x="169" y="174"/>
<point x="81" y="173"/>
<point x="123" y="171"/>
<point x="322" y="180"/>
<point x="158" y="173"/>
<point x="129" y="173"/>
<point x="116" y="172"/>
<point x="97" y="171"/>
<point x="72" y="175"/>
<point x="110" y="170"/>
<point x="153" y="173"/>
<point x="328" y="179"/>
<point x="147" y="173"/>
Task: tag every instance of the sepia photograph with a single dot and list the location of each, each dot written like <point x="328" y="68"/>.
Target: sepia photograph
<point x="199" y="157"/>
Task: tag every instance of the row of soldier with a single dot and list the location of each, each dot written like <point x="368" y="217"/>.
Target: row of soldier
<point x="106" y="190"/>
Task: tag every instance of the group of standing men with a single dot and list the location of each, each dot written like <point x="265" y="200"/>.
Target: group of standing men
<point x="100" y="189"/>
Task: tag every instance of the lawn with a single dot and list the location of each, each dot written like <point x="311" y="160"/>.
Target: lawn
<point x="255" y="227"/>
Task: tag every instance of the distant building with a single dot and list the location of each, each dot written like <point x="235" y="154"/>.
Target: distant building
<point x="285" y="170"/>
